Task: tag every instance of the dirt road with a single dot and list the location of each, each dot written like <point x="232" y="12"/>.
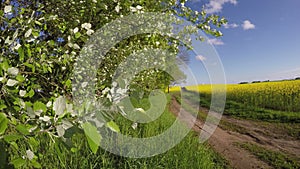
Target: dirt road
<point x="232" y="131"/>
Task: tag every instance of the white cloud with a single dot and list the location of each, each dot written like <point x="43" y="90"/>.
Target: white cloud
<point x="200" y="57"/>
<point x="232" y="25"/>
<point x="215" y="41"/>
<point x="215" y="6"/>
<point x="248" y="25"/>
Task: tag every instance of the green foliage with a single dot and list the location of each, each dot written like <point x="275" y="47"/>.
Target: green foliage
<point x="3" y="123"/>
<point x="113" y="126"/>
<point x="40" y="44"/>
<point x="92" y="135"/>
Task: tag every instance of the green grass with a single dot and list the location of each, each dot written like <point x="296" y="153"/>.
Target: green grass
<point x="54" y="153"/>
<point x="250" y="112"/>
<point x="245" y="111"/>
<point x="288" y="122"/>
<point x="274" y="158"/>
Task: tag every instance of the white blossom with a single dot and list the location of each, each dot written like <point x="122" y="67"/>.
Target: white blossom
<point x="11" y="82"/>
<point x="75" y="46"/>
<point x="45" y="118"/>
<point x="117" y="8"/>
<point x="86" y="26"/>
<point x="133" y="9"/>
<point x="84" y="84"/>
<point x="49" y="104"/>
<point x="13" y="71"/>
<point x="29" y="154"/>
<point x="22" y="93"/>
<point x="114" y="84"/>
<point x="17" y="46"/>
<point x="134" y="125"/>
<point x="139" y="7"/>
<point x="90" y="32"/>
<point x="75" y="30"/>
<point x="140" y="110"/>
<point x="28" y="33"/>
<point x="106" y="90"/>
<point x="7" y="9"/>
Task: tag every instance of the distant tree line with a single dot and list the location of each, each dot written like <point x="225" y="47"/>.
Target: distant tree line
<point x="257" y="81"/>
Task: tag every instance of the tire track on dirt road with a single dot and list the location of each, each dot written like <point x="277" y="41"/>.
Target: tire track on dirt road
<point x="222" y="141"/>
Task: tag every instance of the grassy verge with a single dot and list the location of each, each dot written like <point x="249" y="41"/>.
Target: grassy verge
<point x="54" y="153"/>
<point x="246" y="111"/>
<point x="274" y="158"/>
<point x="287" y="122"/>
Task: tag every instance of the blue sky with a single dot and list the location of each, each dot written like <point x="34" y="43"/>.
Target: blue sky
<point x="260" y="42"/>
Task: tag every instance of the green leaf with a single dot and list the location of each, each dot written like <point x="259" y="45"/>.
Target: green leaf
<point x="22" y="129"/>
<point x="113" y="126"/>
<point x="38" y="23"/>
<point x="74" y="150"/>
<point x="77" y="35"/>
<point x="19" y="162"/>
<point x="5" y="65"/>
<point x="3" y="123"/>
<point x="51" y="43"/>
<point x="35" y="34"/>
<point x="30" y="66"/>
<point x="92" y="135"/>
<point x="20" y="78"/>
<point x="4" y="154"/>
<point x="31" y="93"/>
<point x="30" y="112"/>
<point x="59" y="105"/>
<point x="14" y="145"/>
<point x="14" y="20"/>
<point x="33" y="143"/>
<point x="68" y="83"/>
<point x="60" y="130"/>
<point x="29" y="51"/>
<point x="21" y="54"/>
<point x="37" y="106"/>
<point x="35" y="164"/>
<point x="13" y="121"/>
<point x="3" y="106"/>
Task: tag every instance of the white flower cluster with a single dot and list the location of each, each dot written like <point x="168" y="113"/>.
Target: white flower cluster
<point x="8" y="9"/>
<point x="137" y="8"/>
<point x="88" y="27"/>
<point x="116" y="94"/>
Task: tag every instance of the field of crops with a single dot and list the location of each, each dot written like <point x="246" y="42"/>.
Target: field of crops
<point x="282" y="95"/>
<point x="267" y="101"/>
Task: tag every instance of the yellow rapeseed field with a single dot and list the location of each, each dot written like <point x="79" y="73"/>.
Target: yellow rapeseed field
<point x="280" y="95"/>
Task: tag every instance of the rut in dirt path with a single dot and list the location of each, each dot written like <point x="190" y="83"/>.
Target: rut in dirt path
<point x="222" y="141"/>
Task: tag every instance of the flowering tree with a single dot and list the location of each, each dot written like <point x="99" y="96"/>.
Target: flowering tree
<point x="40" y="41"/>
